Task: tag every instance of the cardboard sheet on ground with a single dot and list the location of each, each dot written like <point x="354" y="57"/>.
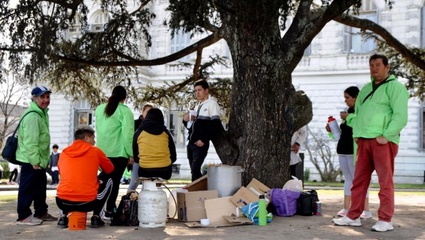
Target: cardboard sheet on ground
<point x="231" y="221"/>
<point x="216" y="208"/>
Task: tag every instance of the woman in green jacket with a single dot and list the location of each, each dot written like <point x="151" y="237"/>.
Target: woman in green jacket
<point x="114" y="135"/>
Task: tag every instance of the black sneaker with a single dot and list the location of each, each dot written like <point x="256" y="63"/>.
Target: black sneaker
<point x="96" y="222"/>
<point x="63" y="222"/>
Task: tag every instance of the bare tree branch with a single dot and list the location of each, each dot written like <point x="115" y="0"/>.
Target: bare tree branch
<point x="365" y="24"/>
<point x="205" y="42"/>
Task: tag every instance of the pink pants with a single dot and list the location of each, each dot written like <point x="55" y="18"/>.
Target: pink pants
<point x="373" y="156"/>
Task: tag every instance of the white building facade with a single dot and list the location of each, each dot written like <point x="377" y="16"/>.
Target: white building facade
<point x="336" y="59"/>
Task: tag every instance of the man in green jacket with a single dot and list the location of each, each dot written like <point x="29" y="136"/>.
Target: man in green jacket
<point x="380" y="115"/>
<point x="34" y="154"/>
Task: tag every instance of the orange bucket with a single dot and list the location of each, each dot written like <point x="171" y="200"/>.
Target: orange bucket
<point x="77" y="220"/>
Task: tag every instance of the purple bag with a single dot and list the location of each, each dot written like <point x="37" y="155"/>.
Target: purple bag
<point x="285" y="201"/>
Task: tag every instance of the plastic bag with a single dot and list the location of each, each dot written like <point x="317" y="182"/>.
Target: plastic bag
<point x="284" y="201"/>
<point x="251" y="212"/>
<point x="294" y="185"/>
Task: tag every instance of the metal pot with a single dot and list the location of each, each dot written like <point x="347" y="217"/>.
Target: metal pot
<point x="226" y="179"/>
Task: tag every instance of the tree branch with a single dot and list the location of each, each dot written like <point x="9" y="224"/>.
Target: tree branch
<point x="8" y="49"/>
<point x="197" y="64"/>
<point x="142" y="5"/>
<point x="73" y="5"/>
<point x="365" y="24"/>
<point x="211" y="39"/>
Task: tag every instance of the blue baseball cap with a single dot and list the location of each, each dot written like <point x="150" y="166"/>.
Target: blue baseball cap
<point x="40" y="90"/>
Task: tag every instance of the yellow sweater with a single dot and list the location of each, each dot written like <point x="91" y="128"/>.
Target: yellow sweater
<point x="153" y="150"/>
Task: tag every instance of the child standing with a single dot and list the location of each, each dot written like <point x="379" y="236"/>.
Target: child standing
<point x="53" y="164"/>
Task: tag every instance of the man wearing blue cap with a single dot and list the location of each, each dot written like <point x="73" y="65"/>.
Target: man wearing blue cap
<point x="34" y="153"/>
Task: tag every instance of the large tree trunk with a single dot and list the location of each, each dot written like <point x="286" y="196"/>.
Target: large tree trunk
<point x="266" y="109"/>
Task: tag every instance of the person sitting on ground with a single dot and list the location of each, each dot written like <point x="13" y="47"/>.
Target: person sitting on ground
<point x="154" y="147"/>
<point x="78" y="188"/>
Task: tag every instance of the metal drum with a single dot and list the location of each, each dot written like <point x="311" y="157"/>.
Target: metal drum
<point x="225" y="179"/>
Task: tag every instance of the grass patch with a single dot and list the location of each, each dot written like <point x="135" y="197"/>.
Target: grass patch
<point x="178" y="181"/>
<point x="373" y="185"/>
<point x="8" y="198"/>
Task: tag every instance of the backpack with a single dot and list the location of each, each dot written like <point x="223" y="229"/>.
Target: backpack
<point x="127" y="211"/>
<point x="9" y="150"/>
<point x="307" y="202"/>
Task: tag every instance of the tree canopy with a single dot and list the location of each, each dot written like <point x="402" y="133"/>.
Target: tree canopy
<point x="263" y="60"/>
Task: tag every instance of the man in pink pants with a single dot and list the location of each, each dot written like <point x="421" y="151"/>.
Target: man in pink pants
<point x="380" y="115"/>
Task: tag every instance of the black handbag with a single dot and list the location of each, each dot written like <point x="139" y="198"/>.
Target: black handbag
<point x="306" y="203"/>
<point x="9" y="150"/>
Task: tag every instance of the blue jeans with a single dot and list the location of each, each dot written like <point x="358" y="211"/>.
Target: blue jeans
<point x="134" y="176"/>
<point x="55" y="177"/>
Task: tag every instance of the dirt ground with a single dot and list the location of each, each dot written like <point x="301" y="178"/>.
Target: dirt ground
<point x="408" y="221"/>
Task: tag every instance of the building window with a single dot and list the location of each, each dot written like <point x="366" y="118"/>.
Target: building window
<point x="83" y="113"/>
<point x="74" y="29"/>
<point x="354" y="42"/>
<point x="180" y="41"/>
<point x="98" y="21"/>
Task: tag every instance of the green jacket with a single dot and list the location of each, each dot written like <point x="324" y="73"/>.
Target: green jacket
<point x="34" y="137"/>
<point x="384" y="113"/>
<point x="114" y="134"/>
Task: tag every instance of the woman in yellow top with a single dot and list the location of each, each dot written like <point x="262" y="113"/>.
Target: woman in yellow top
<point x="154" y="147"/>
<point x="114" y="135"/>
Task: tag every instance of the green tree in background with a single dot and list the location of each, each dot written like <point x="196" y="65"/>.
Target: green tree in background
<point x="264" y="107"/>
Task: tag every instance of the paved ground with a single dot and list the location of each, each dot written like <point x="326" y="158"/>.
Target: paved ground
<point x="408" y="223"/>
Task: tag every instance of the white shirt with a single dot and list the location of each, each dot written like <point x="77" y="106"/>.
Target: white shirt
<point x="299" y="137"/>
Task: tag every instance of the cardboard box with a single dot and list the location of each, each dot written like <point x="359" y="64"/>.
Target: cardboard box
<point x="250" y="193"/>
<point x="243" y="196"/>
<point x="199" y="184"/>
<point x="191" y="205"/>
<point x="216" y="208"/>
<point x="258" y="187"/>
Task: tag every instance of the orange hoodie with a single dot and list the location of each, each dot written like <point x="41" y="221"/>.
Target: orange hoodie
<point x="78" y="168"/>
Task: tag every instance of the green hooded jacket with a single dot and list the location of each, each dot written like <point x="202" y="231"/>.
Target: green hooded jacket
<point x="383" y="113"/>
<point x="34" y="137"/>
<point x="114" y="134"/>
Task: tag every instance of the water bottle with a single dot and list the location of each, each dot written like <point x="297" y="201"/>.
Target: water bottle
<point x="262" y="211"/>
<point x="333" y="125"/>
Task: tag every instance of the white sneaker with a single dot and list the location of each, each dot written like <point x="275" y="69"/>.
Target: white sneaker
<point x="345" y="221"/>
<point x="342" y="213"/>
<point x="382" y="226"/>
<point x="30" y="220"/>
<point x="366" y="215"/>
